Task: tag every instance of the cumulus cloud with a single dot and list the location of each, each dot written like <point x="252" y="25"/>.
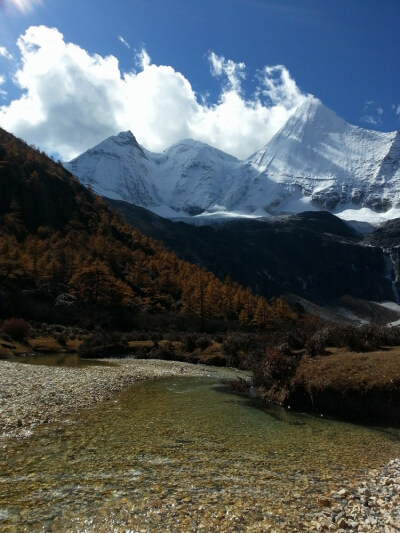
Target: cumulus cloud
<point x="5" y="53"/>
<point x="143" y="59"/>
<point x="72" y="100"/>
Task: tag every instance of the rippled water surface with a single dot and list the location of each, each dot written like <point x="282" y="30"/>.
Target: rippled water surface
<point x="179" y="455"/>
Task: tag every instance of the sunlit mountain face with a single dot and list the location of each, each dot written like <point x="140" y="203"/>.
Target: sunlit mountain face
<point x="317" y="161"/>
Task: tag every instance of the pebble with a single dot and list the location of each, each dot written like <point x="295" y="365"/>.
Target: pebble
<point x="32" y="395"/>
<point x="374" y="506"/>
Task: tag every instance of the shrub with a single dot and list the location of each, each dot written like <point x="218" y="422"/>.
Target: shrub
<point x="103" y="344"/>
<point x="364" y="338"/>
<point x="235" y="345"/>
<point x="203" y="342"/>
<point x="189" y="342"/>
<point x="318" y="341"/>
<point x="239" y="385"/>
<point x="61" y="338"/>
<point x="165" y="352"/>
<point x="17" y="328"/>
<point x="274" y="370"/>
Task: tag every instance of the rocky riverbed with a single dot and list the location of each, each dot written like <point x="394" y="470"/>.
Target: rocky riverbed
<point x="373" y="506"/>
<point x="31" y="394"/>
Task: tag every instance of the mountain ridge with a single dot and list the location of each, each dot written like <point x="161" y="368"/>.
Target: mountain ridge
<point x="316" y="161"/>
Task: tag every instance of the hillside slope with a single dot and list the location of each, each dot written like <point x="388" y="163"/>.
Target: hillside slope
<point x="314" y="254"/>
<point x="64" y="254"/>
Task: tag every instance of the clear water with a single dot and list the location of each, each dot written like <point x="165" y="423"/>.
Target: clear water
<point x="179" y="455"/>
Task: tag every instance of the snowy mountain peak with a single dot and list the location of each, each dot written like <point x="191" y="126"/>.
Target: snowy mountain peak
<point x="125" y="137"/>
<point x="305" y="129"/>
<point x="123" y="143"/>
<point x="197" y="149"/>
<point x="316" y="161"/>
<point x="312" y="114"/>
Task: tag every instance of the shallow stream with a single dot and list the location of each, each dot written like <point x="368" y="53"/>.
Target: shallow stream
<point x="180" y="455"/>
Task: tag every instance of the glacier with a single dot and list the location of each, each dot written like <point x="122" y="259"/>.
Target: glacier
<point x="317" y="161"/>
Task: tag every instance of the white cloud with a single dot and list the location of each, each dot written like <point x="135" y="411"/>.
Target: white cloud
<point x="3" y="93"/>
<point x="143" y="59"/>
<point x="5" y="53"/>
<point x="72" y="100"/>
<point x="123" y="41"/>
<point x="369" y="119"/>
<point x="372" y="114"/>
<point x="280" y="86"/>
<point x="235" y="72"/>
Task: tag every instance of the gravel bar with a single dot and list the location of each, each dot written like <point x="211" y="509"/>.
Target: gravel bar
<point x="37" y="394"/>
<point x="372" y="507"/>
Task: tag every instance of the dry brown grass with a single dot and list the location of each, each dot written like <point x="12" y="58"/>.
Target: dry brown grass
<point x="177" y="345"/>
<point x="212" y="355"/>
<point x="45" y="344"/>
<point x="342" y="369"/>
<point x="8" y="349"/>
<point x="73" y="345"/>
<point x="141" y="344"/>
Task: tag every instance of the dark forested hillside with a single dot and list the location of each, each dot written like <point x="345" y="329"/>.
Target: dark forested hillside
<point x="66" y="256"/>
<point x="314" y="255"/>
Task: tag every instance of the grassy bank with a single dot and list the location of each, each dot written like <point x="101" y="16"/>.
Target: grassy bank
<point x="349" y="384"/>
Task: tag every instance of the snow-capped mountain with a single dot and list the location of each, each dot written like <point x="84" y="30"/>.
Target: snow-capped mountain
<point x="316" y="161"/>
<point x="330" y="162"/>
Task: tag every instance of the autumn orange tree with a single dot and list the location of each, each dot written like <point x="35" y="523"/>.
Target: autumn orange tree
<point x="55" y="233"/>
<point x="95" y="284"/>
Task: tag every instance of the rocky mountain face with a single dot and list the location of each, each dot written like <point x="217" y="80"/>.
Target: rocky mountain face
<point x="279" y="234"/>
<point x="332" y="163"/>
<point x="314" y="255"/>
<point x="317" y="161"/>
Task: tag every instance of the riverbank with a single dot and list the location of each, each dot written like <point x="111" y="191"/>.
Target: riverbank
<point x="373" y="506"/>
<point x="39" y="394"/>
<point x="349" y="385"/>
<point x="31" y="395"/>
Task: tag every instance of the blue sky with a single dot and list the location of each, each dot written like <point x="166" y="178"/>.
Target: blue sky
<point x="206" y="77"/>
